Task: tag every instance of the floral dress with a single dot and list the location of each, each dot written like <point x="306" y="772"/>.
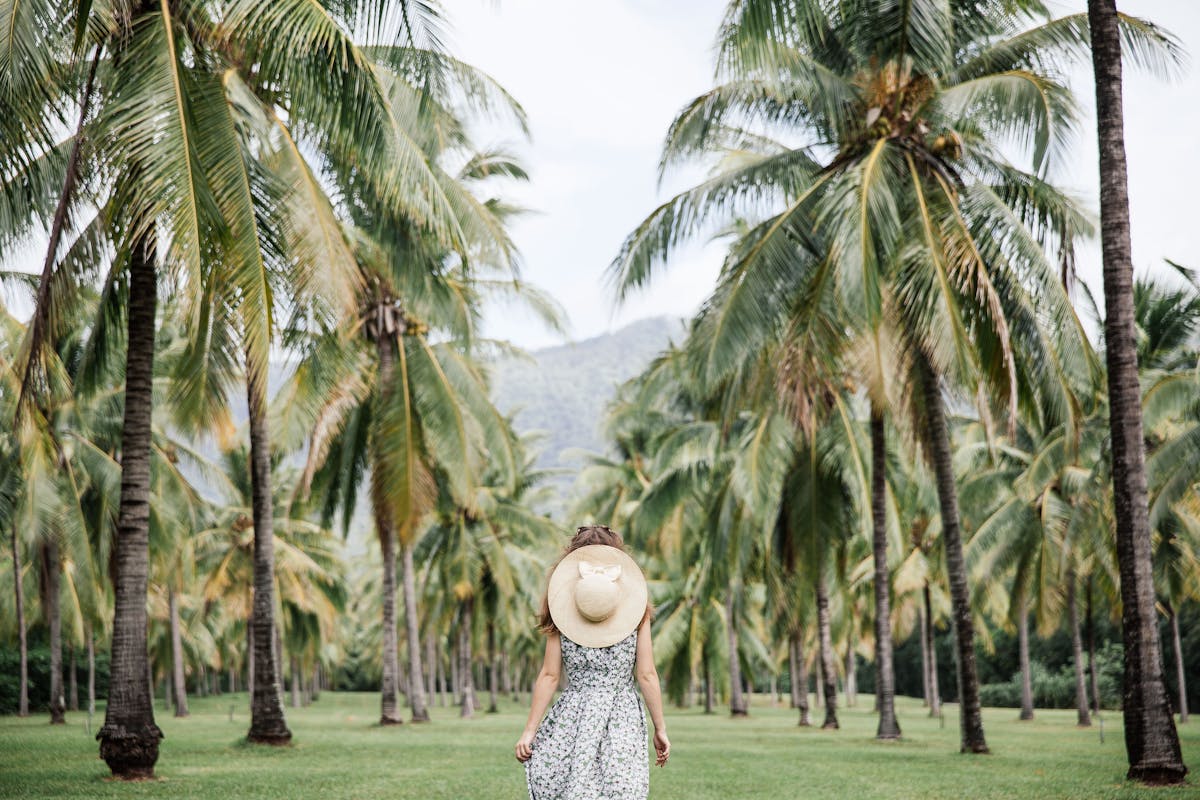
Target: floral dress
<point x="592" y="743"/>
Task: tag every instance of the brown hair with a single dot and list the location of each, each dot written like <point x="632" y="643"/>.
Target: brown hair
<point x="584" y="535"/>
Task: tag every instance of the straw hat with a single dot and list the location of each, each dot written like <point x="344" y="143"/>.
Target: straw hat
<point x="597" y="595"/>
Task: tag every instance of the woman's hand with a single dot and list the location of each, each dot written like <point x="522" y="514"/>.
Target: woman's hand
<point x="662" y="748"/>
<point x="524" y="748"/>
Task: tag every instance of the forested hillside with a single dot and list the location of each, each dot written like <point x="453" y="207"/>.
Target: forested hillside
<point x="560" y="392"/>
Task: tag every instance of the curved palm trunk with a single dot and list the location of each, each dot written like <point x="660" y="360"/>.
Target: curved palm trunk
<point x="267" y="722"/>
<point x="935" y="695"/>
<point x="464" y="653"/>
<point x="22" y="640"/>
<point x="970" y="717"/>
<point x="737" y="701"/>
<point x="129" y="738"/>
<point x="1081" y="698"/>
<point x="1151" y="741"/>
<point x="181" y="704"/>
<point x="52" y="609"/>
<point x="828" y="666"/>
<point x="885" y="675"/>
<point x="72" y="682"/>
<point x="710" y="692"/>
<point x="1023" y="658"/>
<point x="924" y="657"/>
<point x="416" y="696"/>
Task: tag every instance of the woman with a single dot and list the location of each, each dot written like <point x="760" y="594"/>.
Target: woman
<point x="596" y="617"/>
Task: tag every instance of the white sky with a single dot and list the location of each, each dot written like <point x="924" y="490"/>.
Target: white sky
<point x="601" y="81"/>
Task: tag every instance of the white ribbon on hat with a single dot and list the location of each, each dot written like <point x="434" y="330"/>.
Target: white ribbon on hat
<point x="610" y="571"/>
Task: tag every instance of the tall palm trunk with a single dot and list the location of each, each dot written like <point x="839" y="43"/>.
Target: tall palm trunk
<point x="52" y="609"/>
<point x="412" y="619"/>
<point x="924" y="657"/>
<point x="710" y="691"/>
<point x="91" y="683"/>
<point x="1180" y="672"/>
<point x="385" y="526"/>
<point x="1023" y="658"/>
<point x="885" y="675"/>
<point x="970" y="716"/>
<point x="250" y="653"/>
<point x="295" y="687"/>
<point x="1151" y="741"/>
<point x="181" y="703"/>
<point x="389" y="712"/>
<point x="825" y="652"/>
<point x="935" y="695"/>
<point x="737" y="701"/>
<point x="493" y="672"/>
<point x="267" y="722"/>
<point x="850" y="670"/>
<point x="129" y="738"/>
<point x="72" y="681"/>
<point x="464" y="653"/>
<point x="801" y="677"/>
<point x="1091" y="647"/>
<point x="1081" y="698"/>
<point x="431" y="676"/>
<point x="22" y="640"/>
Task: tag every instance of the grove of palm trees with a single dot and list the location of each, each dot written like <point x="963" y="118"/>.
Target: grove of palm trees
<point x="917" y="496"/>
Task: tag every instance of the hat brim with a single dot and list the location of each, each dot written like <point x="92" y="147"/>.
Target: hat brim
<point x="560" y="596"/>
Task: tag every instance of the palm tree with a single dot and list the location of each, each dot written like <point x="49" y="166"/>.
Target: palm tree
<point x="896" y="206"/>
<point x="1151" y="741"/>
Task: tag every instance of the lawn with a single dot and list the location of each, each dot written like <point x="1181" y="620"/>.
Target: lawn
<point x="339" y="752"/>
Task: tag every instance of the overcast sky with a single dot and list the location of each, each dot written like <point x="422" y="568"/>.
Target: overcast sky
<point x="602" y="81"/>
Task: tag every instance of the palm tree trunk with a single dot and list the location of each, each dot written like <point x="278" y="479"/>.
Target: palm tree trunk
<point x="129" y="738"/>
<point x="431" y="666"/>
<point x="455" y="683"/>
<point x="267" y="722"/>
<point x="412" y="619"/>
<point x="181" y="703"/>
<point x="825" y="652"/>
<point x="52" y="609"/>
<point x="464" y="653"/>
<point x="1091" y="646"/>
<point x="1151" y="741"/>
<point x="794" y="668"/>
<point x="389" y="713"/>
<point x="296" y="700"/>
<point x="493" y="673"/>
<point x="1180" y="672"/>
<point x="91" y="650"/>
<point x="1081" y="698"/>
<point x="924" y="638"/>
<point x="22" y="640"/>
<point x="935" y="695"/>
<point x="851" y="672"/>
<point x="970" y="716"/>
<point x="250" y="656"/>
<point x="72" y="682"/>
<point x="710" y="692"/>
<point x="737" y="703"/>
<point x="802" y="680"/>
<point x="885" y="675"/>
<point x="1023" y="658"/>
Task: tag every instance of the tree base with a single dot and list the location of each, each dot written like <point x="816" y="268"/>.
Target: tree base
<point x="976" y="749"/>
<point x="274" y="738"/>
<point x="1158" y="775"/>
<point x="738" y="712"/>
<point x="385" y="720"/>
<point x="1025" y="717"/>
<point x="130" y="756"/>
<point x="830" y="726"/>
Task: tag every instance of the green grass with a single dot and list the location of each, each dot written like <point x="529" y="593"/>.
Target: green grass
<point x="339" y="752"/>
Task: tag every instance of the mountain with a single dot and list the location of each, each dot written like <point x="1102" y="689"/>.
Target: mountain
<point x="561" y="392"/>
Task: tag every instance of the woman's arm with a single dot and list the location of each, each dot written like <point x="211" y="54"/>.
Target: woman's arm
<point x="647" y="676"/>
<point x="543" y="691"/>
